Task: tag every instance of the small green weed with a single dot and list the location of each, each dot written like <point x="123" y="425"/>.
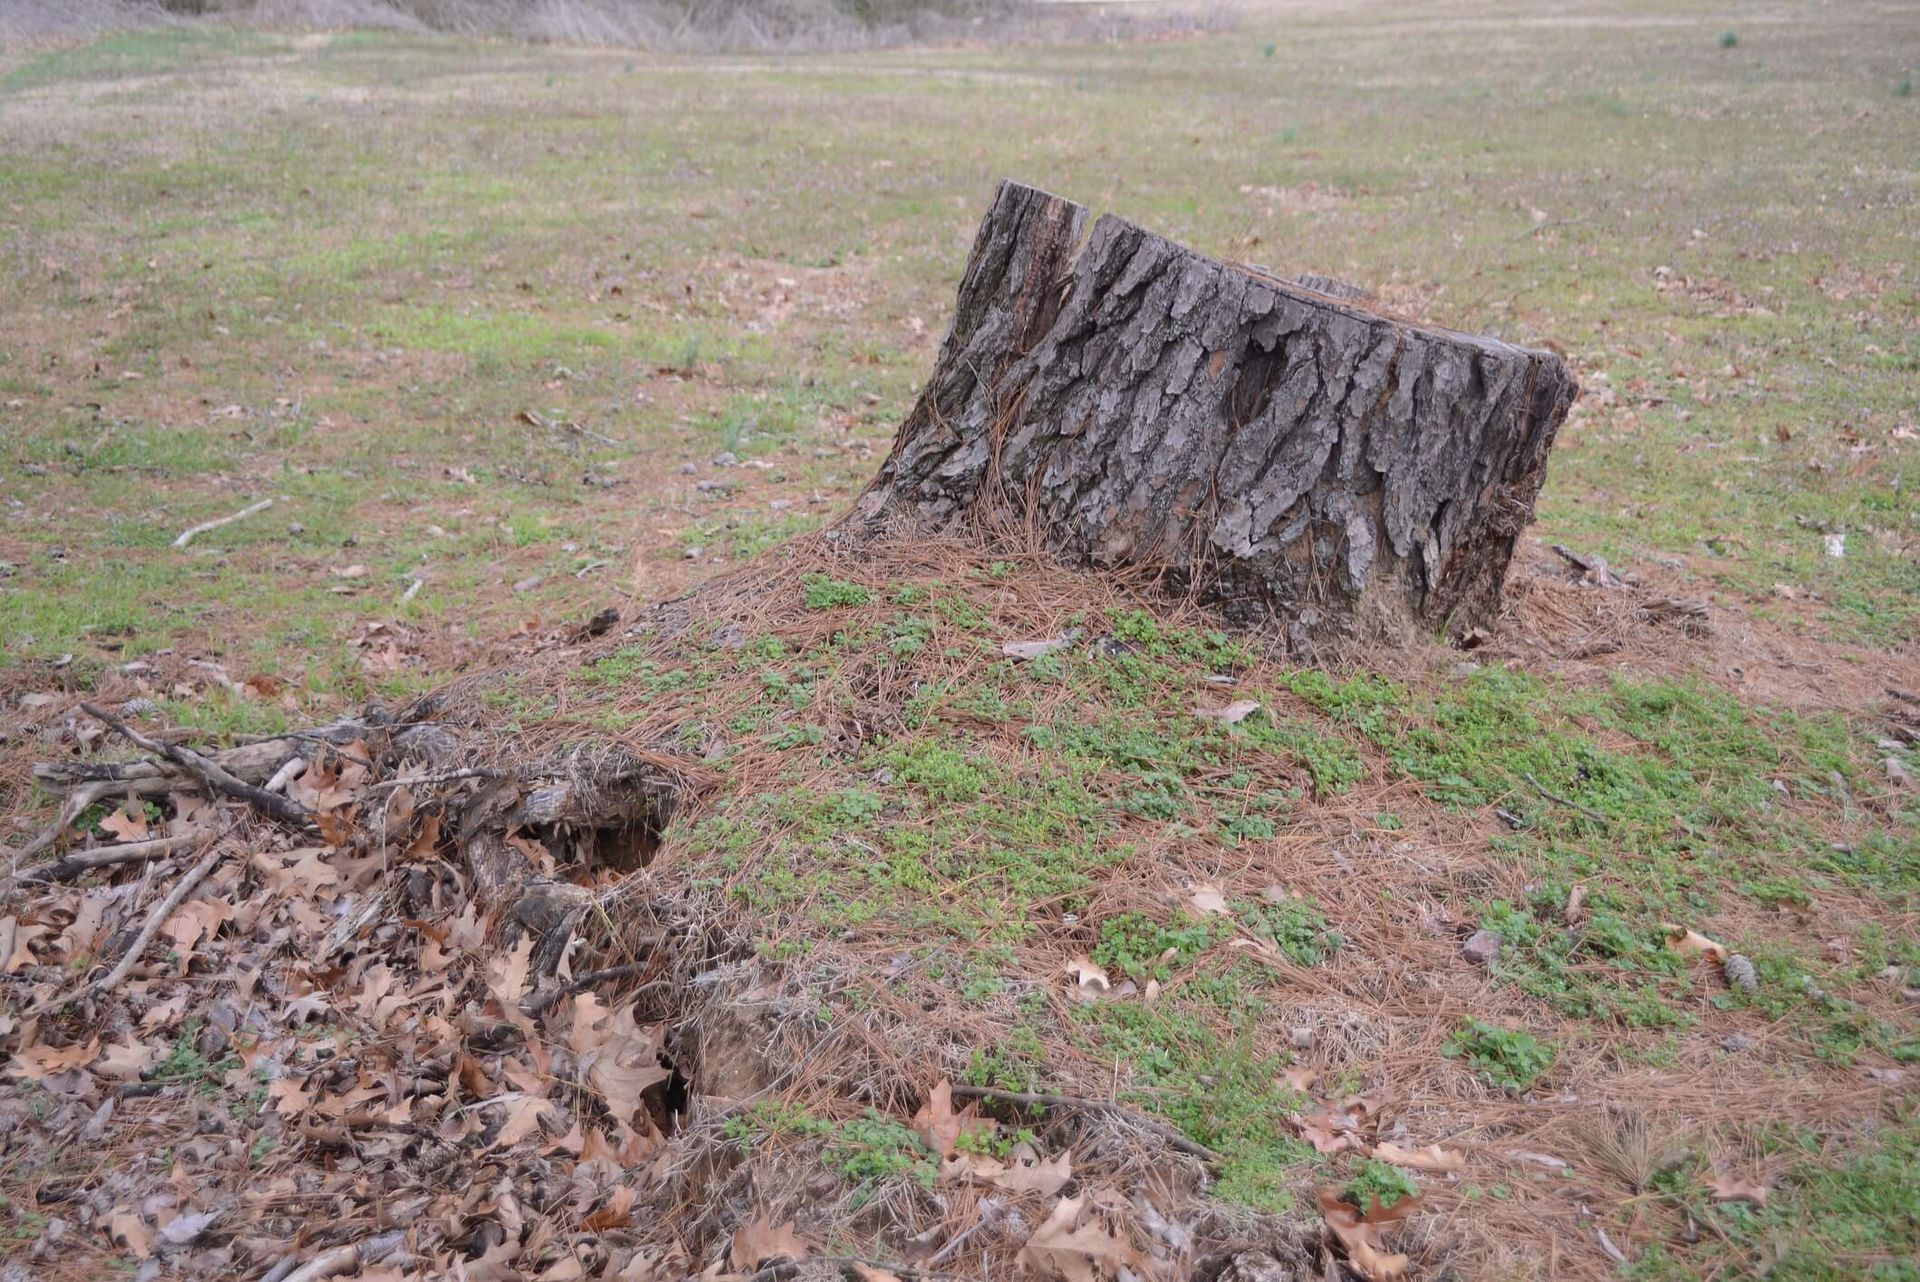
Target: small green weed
<point x="1141" y="949"/>
<point x="826" y="593"/>
<point x="1380" y="1184"/>
<point x="1504" y="1056"/>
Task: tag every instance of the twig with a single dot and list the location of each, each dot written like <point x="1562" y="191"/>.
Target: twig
<point x="207" y="771"/>
<point x="448" y="776"/>
<point x="188" y="536"/>
<point x="1174" y="1138"/>
<point x="777" y="1268"/>
<point x="155" y="920"/>
<point x="70" y="866"/>
<point x="285" y="775"/>
<point x="1568" y="802"/>
<point x="75" y="805"/>
<point x="539" y="1002"/>
<point x="328" y="1264"/>
<point x="1537" y="228"/>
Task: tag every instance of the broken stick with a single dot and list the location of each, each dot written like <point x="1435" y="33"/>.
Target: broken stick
<point x="1174" y="1139"/>
<point x="209" y="772"/>
<point x="188" y="536"/>
<point x="155" y="920"/>
<point x="70" y="866"/>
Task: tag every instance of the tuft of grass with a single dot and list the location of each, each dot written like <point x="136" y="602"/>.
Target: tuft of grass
<point x="1729" y="39"/>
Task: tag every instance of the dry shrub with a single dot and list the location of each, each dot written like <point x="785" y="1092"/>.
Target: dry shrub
<point x="26" y="23"/>
<point x="693" y="25"/>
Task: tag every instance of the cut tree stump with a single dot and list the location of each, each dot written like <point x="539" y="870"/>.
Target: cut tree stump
<point x="1280" y="451"/>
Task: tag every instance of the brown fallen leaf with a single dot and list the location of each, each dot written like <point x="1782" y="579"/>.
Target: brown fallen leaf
<point x="1363" y="1234"/>
<point x="523" y="1119"/>
<point x="616" y="1214"/>
<point x="131" y="1231"/>
<point x="869" y="1273"/>
<point x="1430" y="1158"/>
<point x="756" y="1242"/>
<point x="1066" y="1248"/>
<point x="938" y="1126"/>
<point x="621" y="1059"/>
<point x="126" y="825"/>
<point x="1300" y="1078"/>
<point x="1024" y="1171"/>
<point x="38" y="1061"/>
<point x="1207" y="900"/>
<point x="1733" y="1188"/>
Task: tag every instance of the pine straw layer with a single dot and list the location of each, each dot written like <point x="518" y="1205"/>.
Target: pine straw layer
<point x="778" y="1006"/>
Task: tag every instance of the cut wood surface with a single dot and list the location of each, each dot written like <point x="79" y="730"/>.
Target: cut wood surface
<point x="1281" y="451"/>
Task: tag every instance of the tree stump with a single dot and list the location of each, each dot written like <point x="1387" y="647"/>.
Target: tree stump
<point x="1276" y="449"/>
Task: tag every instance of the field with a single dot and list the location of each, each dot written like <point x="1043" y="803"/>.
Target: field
<point x="510" y="334"/>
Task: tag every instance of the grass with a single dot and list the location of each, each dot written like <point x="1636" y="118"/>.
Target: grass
<point x="342" y="271"/>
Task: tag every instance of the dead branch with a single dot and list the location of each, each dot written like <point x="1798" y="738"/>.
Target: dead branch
<point x="1568" y="802"/>
<point x="208" y="771"/>
<point x="205" y="527"/>
<point x="70" y="866"/>
<point x="71" y="809"/>
<point x="541" y="1002"/>
<point x="328" y="1264"/>
<point x="1174" y="1139"/>
<point x="151" y="927"/>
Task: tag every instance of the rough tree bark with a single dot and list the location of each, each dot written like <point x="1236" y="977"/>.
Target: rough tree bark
<point x="1276" y="448"/>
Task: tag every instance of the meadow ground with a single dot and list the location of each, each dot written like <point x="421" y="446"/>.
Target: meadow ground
<point x="511" y="334"/>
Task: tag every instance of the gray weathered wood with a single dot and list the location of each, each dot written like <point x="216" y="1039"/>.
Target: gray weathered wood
<point x="1279" y="449"/>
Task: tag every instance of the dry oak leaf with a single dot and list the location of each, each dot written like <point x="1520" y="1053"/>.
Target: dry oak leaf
<point x="621" y="1060"/>
<point x="127" y="826"/>
<point x="756" y="1242"/>
<point x="1733" y="1188"/>
<point x="1363" y="1235"/>
<point x="938" y="1126"/>
<point x="16" y="942"/>
<point x="1300" y="1078"/>
<point x="523" y="1119"/>
<point x="131" y="1231"/>
<point x="1690" y="942"/>
<point x="38" y="1061"/>
<point x="1024" y="1171"/>
<point x="869" y="1273"/>
<point x="1065" y="1248"/>
<point x="1207" y="900"/>
<point x="616" y="1214"/>
<point x="1430" y="1158"/>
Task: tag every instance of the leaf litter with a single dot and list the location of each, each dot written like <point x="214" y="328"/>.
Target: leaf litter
<point x="333" y="1053"/>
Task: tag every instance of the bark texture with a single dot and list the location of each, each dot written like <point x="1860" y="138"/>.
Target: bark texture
<point x="1278" y="446"/>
